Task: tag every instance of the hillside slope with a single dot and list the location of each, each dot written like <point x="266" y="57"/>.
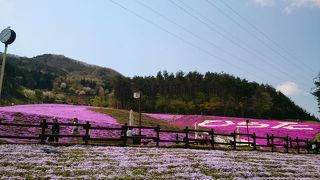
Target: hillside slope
<point x="52" y="78"/>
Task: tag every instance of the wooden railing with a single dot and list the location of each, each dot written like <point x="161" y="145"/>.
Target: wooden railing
<point x="188" y="138"/>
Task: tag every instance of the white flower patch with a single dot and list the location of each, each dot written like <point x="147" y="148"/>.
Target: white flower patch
<point x="92" y="162"/>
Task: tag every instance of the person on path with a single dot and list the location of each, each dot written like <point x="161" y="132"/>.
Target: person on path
<point x="129" y="132"/>
<point x="55" y="129"/>
<point x="76" y="128"/>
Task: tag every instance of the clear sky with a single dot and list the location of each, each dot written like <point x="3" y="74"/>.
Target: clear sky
<point x="268" y="41"/>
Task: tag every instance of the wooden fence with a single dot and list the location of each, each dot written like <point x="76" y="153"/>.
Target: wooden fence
<point x="272" y="143"/>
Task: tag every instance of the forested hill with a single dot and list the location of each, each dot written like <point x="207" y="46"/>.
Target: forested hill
<point x="211" y="94"/>
<point x="55" y="78"/>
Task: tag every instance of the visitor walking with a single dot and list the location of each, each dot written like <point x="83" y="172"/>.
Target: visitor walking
<point x="55" y="129"/>
<point x="76" y="128"/>
<point x="129" y="132"/>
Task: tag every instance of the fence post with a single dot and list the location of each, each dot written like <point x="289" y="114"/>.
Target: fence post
<point x="187" y="136"/>
<point x="177" y="139"/>
<point x="43" y="125"/>
<point x="124" y="130"/>
<point x="287" y="144"/>
<point x="298" y="147"/>
<point x="87" y="136"/>
<point x="254" y="141"/>
<point x="212" y="139"/>
<point x="234" y="140"/>
<point x="268" y="141"/>
<point x="307" y="146"/>
<point x="272" y="143"/>
<point x="158" y="134"/>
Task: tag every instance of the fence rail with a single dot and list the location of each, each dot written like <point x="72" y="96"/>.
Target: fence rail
<point x="185" y="137"/>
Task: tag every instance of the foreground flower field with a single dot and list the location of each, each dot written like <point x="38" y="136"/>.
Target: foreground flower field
<point x="87" y="162"/>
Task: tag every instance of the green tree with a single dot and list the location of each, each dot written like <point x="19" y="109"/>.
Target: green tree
<point x="316" y="91"/>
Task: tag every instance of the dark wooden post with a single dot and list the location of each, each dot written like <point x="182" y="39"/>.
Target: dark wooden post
<point x="254" y="141"/>
<point x="124" y="137"/>
<point x="234" y="140"/>
<point x="158" y="135"/>
<point x="287" y="144"/>
<point x="212" y="139"/>
<point x="87" y="136"/>
<point x="307" y="146"/>
<point x="177" y="138"/>
<point x="272" y="143"/>
<point x="268" y="141"/>
<point x="298" y="147"/>
<point x="43" y="125"/>
<point x="187" y="136"/>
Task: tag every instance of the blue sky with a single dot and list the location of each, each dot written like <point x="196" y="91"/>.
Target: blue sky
<point x="273" y="42"/>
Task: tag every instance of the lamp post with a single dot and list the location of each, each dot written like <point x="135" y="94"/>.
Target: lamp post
<point x="7" y="36"/>
<point x="137" y="95"/>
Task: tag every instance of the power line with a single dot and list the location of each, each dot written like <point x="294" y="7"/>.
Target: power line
<point x="265" y="35"/>
<point x="198" y="37"/>
<point x="175" y="35"/>
<point x="252" y="34"/>
<point x="249" y="50"/>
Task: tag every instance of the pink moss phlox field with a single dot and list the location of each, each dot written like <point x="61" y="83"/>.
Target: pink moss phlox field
<point x="261" y="127"/>
<point x="33" y="114"/>
<point x="62" y="111"/>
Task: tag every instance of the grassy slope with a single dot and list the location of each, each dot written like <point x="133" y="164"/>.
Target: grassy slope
<point x="123" y="116"/>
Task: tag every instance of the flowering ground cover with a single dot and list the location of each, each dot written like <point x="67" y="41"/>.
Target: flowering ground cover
<point x="228" y="125"/>
<point x="34" y="113"/>
<point x="62" y="111"/>
<point x="88" y="162"/>
<point x="112" y="118"/>
<point x="98" y="117"/>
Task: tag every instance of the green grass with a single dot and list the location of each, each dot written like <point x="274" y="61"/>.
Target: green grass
<point x="214" y="173"/>
<point x="122" y="117"/>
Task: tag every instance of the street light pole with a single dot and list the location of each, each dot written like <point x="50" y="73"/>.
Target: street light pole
<point x="7" y="36"/>
<point x="2" y="67"/>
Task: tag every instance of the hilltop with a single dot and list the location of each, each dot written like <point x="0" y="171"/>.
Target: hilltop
<point x="55" y="78"/>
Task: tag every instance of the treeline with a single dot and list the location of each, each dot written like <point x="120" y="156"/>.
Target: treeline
<point x="211" y="94"/>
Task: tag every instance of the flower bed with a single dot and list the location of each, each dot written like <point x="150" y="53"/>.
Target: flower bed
<point x="62" y="111"/>
<point x="261" y="127"/>
<point x="33" y="114"/>
<point x="91" y="162"/>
